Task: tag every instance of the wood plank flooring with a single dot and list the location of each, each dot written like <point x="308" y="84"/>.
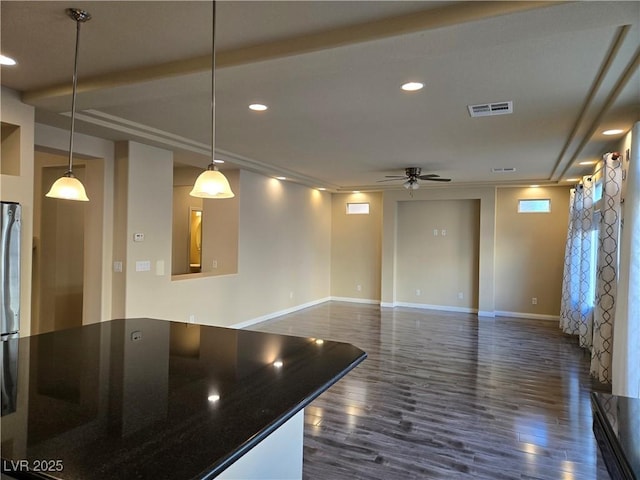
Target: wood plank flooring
<point x="447" y="396"/>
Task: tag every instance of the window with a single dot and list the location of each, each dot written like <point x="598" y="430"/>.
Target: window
<point x="597" y="192"/>
<point x="357" y="209"/>
<point x="542" y="205"/>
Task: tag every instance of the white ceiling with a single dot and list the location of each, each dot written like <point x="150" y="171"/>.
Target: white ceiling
<point x="331" y="74"/>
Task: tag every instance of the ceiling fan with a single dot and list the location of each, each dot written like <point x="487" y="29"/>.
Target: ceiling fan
<point x="411" y="177"/>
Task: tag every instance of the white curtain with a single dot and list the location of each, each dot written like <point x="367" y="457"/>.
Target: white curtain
<point x="626" y="339"/>
<point x="578" y="288"/>
<point x="607" y="268"/>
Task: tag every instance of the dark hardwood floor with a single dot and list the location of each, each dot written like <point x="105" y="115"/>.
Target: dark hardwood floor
<point x="447" y="396"/>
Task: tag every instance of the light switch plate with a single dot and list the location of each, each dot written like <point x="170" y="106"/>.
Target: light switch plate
<point x="143" y="266"/>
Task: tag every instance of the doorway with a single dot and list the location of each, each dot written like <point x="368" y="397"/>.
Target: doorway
<point x="58" y="257"/>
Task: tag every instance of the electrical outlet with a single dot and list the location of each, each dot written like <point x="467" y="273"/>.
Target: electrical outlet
<point x="460" y="295"/>
<point x="435" y="232"/>
<point x="291" y="295"/>
<point x="359" y="287"/>
<point x="192" y="318"/>
<point x="443" y="232"/>
<point x="136" y="336"/>
<point x="418" y="292"/>
<point x="534" y="300"/>
<point x="214" y="264"/>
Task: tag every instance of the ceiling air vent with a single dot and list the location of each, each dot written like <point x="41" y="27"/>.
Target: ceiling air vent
<point x="503" y="170"/>
<point x="490" y="109"/>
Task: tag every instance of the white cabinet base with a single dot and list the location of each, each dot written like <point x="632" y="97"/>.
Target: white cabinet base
<point x="277" y="457"/>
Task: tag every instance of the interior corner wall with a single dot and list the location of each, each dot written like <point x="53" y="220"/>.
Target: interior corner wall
<point x="19" y="188"/>
<point x="437" y="256"/>
<point x="144" y="185"/>
<point x="356" y="248"/>
<point x="486" y="247"/>
<point x="284" y="247"/>
<point x="97" y="156"/>
<point x="530" y="252"/>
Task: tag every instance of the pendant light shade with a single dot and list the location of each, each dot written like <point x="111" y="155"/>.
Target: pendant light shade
<point x="68" y="187"/>
<point x="212" y="183"/>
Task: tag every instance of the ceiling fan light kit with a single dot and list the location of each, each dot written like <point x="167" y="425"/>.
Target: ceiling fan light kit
<point x="411" y="177"/>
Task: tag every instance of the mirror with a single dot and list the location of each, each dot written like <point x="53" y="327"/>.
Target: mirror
<point x="195" y="240"/>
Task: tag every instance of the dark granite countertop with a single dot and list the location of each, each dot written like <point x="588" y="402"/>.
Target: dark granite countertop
<point x="152" y="399"/>
<point x="617" y="424"/>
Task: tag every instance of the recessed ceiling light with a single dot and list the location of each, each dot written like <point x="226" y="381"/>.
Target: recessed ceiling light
<point x="322" y="189"/>
<point x="278" y="364"/>
<point x="258" y="107"/>
<point x="4" y="60"/>
<point x="534" y="186"/>
<point x="614" y="131"/>
<point x="213" y="398"/>
<point x="356" y="191"/>
<point x="412" y="86"/>
<point x="281" y="178"/>
<point x="588" y="162"/>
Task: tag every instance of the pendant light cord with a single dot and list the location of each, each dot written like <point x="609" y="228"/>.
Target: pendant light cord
<point x="73" y="97"/>
<point x="213" y="86"/>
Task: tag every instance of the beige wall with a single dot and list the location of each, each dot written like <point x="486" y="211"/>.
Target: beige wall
<point x="182" y="205"/>
<point x="284" y="247"/>
<point x="219" y="245"/>
<point x="96" y="158"/>
<point x="220" y="220"/>
<point x="19" y="188"/>
<point x="486" y="245"/>
<point x="437" y="254"/>
<point x="356" y="248"/>
<point x="295" y="246"/>
<point x="530" y="251"/>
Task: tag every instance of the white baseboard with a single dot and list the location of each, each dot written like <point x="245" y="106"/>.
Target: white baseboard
<point x="272" y="315"/>
<point x="535" y="316"/>
<point x="387" y="304"/>
<point x="355" y="300"/>
<point x="444" y="308"/>
<point x="485" y="313"/>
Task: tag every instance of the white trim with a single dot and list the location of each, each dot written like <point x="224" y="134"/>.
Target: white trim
<point x="354" y="300"/>
<point x="534" y="316"/>
<point x="270" y="316"/>
<point x="486" y="313"/>
<point x="446" y="308"/>
<point x="387" y="304"/>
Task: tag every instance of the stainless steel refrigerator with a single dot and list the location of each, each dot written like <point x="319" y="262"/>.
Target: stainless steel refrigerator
<point x="9" y="302"/>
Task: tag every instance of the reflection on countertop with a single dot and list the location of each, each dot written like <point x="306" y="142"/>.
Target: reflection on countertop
<point x="145" y="398"/>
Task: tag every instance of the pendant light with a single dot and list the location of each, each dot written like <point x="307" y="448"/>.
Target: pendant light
<point x="68" y="187"/>
<point x="212" y="183"/>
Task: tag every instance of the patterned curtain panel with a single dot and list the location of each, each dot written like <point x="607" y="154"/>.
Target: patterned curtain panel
<point x="607" y="269"/>
<point x="578" y="286"/>
<point x="626" y="335"/>
<point x="570" y="283"/>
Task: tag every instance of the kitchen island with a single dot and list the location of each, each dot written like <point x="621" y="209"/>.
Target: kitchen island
<point x="153" y="399"/>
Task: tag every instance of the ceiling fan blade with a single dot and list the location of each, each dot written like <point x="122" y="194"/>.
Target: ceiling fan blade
<point x="392" y="179"/>
<point x="432" y="179"/>
<point x="428" y="176"/>
<point x="395" y="176"/>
